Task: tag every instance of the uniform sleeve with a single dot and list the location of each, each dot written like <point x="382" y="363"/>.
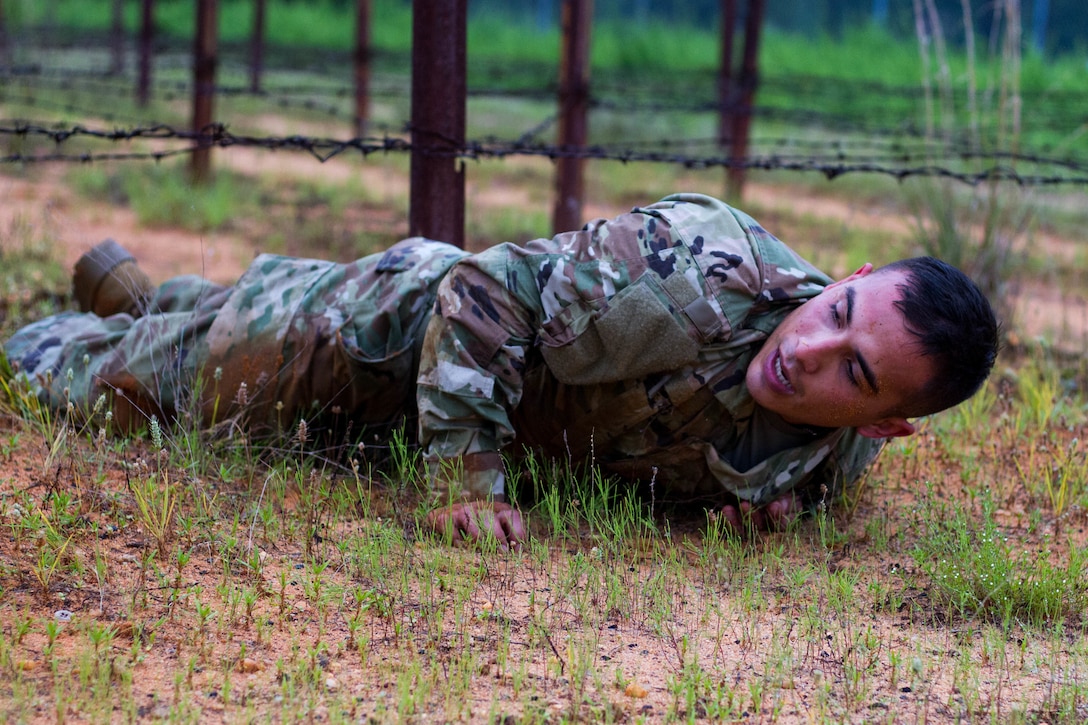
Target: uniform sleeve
<point x="470" y="379"/>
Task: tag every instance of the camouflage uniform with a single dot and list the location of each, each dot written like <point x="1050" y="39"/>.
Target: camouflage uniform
<point x="628" y="339"/>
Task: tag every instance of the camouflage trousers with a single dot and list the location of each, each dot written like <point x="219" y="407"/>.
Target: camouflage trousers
<point x="292" y="338"/>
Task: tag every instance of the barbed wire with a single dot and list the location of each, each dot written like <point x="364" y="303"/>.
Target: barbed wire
<point x="861" y="127"/>
<point x="983" y="166"/>
<point x="904" y="140"/>
<point x="220" y="135"/>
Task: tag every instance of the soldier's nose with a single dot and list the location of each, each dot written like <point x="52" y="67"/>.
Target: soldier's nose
<point x="812" y="350"/>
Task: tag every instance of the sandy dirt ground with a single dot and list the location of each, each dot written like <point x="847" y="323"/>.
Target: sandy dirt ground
<point x="43" y="200"/>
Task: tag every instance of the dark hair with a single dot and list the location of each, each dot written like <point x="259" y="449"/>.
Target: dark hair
<point x="955" y="327"/>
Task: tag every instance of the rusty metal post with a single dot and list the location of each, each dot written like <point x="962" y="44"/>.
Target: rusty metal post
<point x="143" y="75"/>
<point x="256" y="47"/>
<point x="725" y="72"/>
<point x="117" y="38"/>
<point x="362" y="66"/>
<point x="204" y="63"/>
<point x="5" y="49"/>
<point x="437" y="187"/>
<point x="742" y="119"/>
<point x="573" y="129"/>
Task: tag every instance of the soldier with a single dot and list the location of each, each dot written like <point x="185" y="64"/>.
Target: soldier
<point x="680" y="343"/>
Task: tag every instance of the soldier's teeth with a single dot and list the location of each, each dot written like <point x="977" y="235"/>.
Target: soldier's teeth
<point x="778" y="371"/>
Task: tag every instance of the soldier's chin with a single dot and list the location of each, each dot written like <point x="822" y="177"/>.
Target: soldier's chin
<point x="765" y="397"/>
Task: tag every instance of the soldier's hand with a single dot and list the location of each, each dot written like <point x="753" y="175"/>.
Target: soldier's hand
<point x="474" y="521"/>
<point x="775" y="516"/>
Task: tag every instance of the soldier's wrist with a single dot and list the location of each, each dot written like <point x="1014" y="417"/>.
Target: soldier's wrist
<point x="471" y="477"/>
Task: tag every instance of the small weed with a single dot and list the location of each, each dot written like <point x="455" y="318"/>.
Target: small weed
<point x="1055" y="474"/>
<point x="1039" y="388"/>
<point x="156" y="499"/>
<point x="975" y="571"/>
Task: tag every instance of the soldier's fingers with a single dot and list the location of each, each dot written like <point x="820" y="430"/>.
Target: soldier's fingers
<point x="444" y="523"/>
<point x="732" y="517"/>
<point x="469" y="526"/>
<point x="783" y="511"/>
<point x="750" y="516"/>
<point x="757" y="519"/>
<point x="512" y="526"/>
<point x="495" y="525"/>
<point x="495" y="528"/>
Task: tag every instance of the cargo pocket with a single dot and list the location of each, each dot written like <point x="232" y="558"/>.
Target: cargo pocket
<point x="635" y="336"/>
<point x="379" y="383"/>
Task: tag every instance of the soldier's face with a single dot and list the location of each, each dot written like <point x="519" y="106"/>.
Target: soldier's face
<point x="843" y="359"/>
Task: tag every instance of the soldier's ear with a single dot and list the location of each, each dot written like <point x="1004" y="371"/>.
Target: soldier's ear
<point x="888" y="428"/>
<point x="861" y="271"/>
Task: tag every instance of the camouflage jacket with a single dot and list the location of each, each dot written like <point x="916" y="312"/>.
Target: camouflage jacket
<point x="627" y="341"/>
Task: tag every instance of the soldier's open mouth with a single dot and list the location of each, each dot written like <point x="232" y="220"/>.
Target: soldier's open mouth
<point x="779" y="373"/>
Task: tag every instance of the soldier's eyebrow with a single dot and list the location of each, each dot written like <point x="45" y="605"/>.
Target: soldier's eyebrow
<point x="866" y="370"/>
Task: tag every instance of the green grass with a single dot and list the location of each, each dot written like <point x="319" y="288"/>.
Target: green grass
<point x="976" y="570"/>
<point x="316" y="24"/>
<point x="162" y="195"/>
<point x="32" y="284"/>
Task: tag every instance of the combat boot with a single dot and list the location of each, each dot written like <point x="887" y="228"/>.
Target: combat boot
<point x="107" y="281"/>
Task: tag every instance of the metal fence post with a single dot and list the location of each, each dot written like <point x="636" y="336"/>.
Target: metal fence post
<point x="725" y="72"/>
<point x="256" y="47"/>
<point x="745" y="93"/>
<point x="4" y="56"/>
<point x="147" y="30"/>
<point x="117" y="38"/>
<point x="362" y="66"/>
<point x="204" y="62"/>
<point x="573" y="129"/>
<point x="437" y="195"/>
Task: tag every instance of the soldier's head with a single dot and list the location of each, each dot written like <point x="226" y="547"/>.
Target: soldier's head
<point x="878" y="348"/>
